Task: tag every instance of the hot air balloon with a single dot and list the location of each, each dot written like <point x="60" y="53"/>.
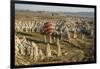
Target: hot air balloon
<point x="48" y="29"/>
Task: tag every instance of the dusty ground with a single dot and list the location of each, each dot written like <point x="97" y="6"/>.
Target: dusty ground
<point x="73" y="50"/>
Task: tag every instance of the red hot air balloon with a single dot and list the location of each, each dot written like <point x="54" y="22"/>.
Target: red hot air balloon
<point x="48" y="28"/>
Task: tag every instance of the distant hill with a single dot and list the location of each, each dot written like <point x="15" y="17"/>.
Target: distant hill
<point x="81" y="14"/>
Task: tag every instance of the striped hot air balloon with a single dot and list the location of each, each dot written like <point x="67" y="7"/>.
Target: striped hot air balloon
<point x="48" y="29"/>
